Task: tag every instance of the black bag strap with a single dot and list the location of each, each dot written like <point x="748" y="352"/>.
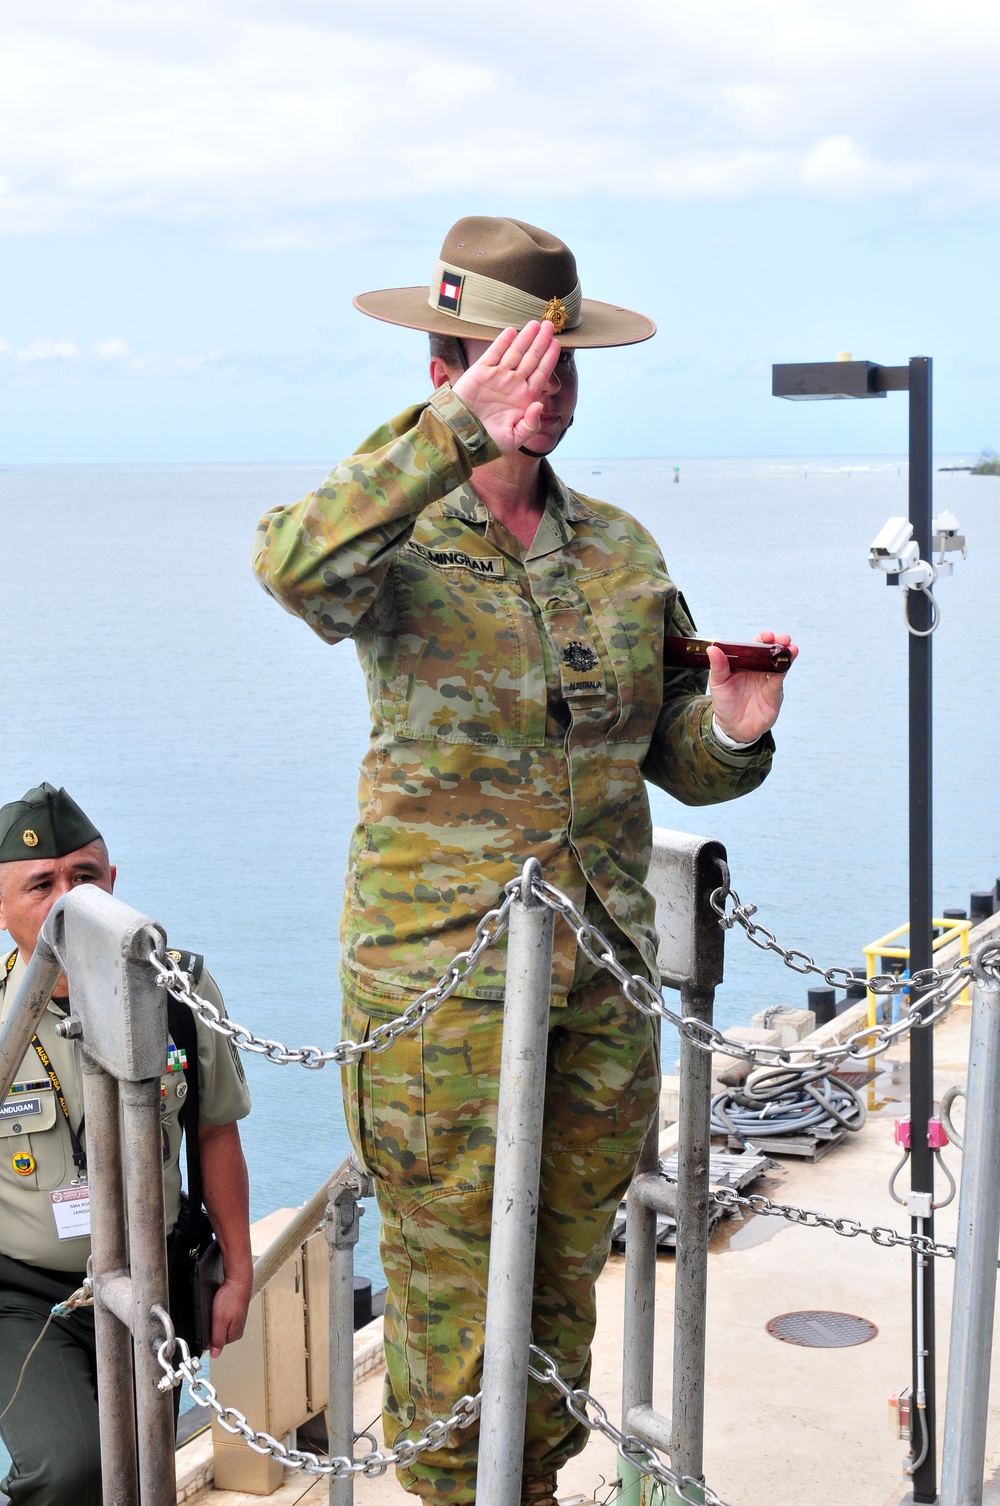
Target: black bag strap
<point x="184" y="1033"/>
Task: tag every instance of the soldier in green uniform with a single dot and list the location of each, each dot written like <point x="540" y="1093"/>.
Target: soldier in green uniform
<point x="48" y="846"/>
<point x="511" y="634"/>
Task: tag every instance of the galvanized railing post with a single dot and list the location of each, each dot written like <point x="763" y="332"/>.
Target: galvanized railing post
<point x="140" y="1104"/>
<point x="691" y="1275"/>
<point x="119" y="1017"/>
<point x="515" y="1196"/>
<point x="684" y="872"/>
<point x="648" y="1195"/>
<point x="975" y="1260"/>
<point x="109" y="1257"/>
<point x="343" y="1229"/>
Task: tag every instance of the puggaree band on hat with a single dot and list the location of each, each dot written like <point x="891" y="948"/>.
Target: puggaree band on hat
<point x="497" y="272"/>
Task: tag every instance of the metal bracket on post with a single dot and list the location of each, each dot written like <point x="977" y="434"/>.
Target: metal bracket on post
<point x="119" y="1014"/>
<point x="520" y="1112"/>
<point x="104" y="949"/>
<point x="343" y="1230"/>
<point x="978" y="1239"/>
<point x="683" y="873"/>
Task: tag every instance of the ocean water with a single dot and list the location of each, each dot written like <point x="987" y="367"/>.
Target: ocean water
<point x="216" y="741"/>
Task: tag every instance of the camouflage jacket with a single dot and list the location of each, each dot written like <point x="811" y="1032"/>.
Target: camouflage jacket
<point x="518" y="696"/>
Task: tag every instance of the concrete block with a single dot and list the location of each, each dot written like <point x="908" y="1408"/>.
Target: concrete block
<point x="746" y="1035"/>
<point x="791" y="1024"/>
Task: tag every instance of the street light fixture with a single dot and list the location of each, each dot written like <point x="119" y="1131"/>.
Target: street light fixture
<point x="845" y="378"/>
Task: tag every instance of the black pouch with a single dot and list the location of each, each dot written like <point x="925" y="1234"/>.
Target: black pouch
<point x="194" y="1259"/>
<point x="194" y="1275"/>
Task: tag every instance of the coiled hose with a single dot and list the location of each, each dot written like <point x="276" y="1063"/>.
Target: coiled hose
<point x="787" y="1101"/>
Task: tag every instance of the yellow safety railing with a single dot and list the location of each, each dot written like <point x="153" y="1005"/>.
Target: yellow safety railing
<point x="886" y="946"/>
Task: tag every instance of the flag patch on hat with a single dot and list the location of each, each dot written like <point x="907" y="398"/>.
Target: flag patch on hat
<point x="450" y="291"/>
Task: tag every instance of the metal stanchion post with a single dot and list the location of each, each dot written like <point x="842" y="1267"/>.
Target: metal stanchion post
<point x="640" y="1303"/>
<point x="683" y="874"/>
<point x="691" y="1279"/>
<point x="515" y="1196"/>
<point x="109" y="1253"/>
<point x="975" y="1261"/>
<point x="140" y="1102"/>
<point x="343" y="1228"/>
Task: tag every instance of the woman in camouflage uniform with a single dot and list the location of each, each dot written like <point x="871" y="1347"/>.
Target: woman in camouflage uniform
<point x="511" y="633"/>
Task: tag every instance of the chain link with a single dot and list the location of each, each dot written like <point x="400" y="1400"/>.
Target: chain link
<point x="848" y="1228"/>
<point x="370" y="1465"/>
<point x="177" y="983"/>
<point x="581" y="1404"/>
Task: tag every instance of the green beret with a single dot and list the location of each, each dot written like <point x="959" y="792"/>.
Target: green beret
<point x="46" y="823"/>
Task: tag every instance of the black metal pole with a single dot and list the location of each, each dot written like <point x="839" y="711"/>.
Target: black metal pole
<point x="921" y="910"/>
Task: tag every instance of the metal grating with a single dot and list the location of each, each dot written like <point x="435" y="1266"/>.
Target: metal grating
<point x="821" y="1330"/>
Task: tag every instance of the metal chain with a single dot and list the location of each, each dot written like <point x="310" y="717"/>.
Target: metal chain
<point x="371" y="1465"/>
<point x="849" y="1228"/>
<point x="581" y="1404"/>
<point x="936" y="991"/>
<point x="942" y="987"/>
<point x="177" y="983"/>
<point x="925" y="981"/>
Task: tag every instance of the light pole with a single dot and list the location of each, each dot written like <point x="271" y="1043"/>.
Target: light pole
<point x="866" y="379"/>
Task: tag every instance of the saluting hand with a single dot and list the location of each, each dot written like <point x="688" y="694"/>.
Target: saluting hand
<point x="504" y="387"/>
<point x="746" y="704"/>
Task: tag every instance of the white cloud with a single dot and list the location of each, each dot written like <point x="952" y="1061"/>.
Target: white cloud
<point x="42" y="349"/>
<point x="112" y="349"/>
<point x="113" y="353"/>
<point x="174" y="112"/>
<point x="153" y="363"/>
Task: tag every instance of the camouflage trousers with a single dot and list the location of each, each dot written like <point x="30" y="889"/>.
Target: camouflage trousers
<point x="422" y="1116"/>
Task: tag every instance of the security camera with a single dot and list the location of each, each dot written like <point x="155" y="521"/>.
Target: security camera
<point x="946" y="523"/>
<point x="947" y="539"/>
<point x="890" y="542"/>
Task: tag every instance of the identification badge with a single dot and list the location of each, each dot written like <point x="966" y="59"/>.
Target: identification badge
<point x="71" y="1210"/>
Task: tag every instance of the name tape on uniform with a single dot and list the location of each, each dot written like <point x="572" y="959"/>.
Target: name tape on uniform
<point x="20" y="1108"/>
<point x="457" y="559"/>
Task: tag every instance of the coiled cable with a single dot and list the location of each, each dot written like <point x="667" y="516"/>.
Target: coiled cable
<point x="787" y="1101"/>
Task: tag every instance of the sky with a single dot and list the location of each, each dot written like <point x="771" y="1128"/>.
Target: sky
<point x="190" y="195"/>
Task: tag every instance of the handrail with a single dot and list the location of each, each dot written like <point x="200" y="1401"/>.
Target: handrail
<point x="295" y="1233"/>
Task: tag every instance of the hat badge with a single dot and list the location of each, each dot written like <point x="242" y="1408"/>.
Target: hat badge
<point x="29" y="838"/>
<point x="555" y="313"/>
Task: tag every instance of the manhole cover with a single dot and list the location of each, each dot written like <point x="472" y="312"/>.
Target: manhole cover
<point x="818" y="1330"/>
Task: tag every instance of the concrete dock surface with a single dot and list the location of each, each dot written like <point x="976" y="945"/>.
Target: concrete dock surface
<point x="785" y="1425"/>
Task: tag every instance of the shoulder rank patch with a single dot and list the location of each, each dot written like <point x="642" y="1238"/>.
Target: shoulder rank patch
<point x="192" y="963"/>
